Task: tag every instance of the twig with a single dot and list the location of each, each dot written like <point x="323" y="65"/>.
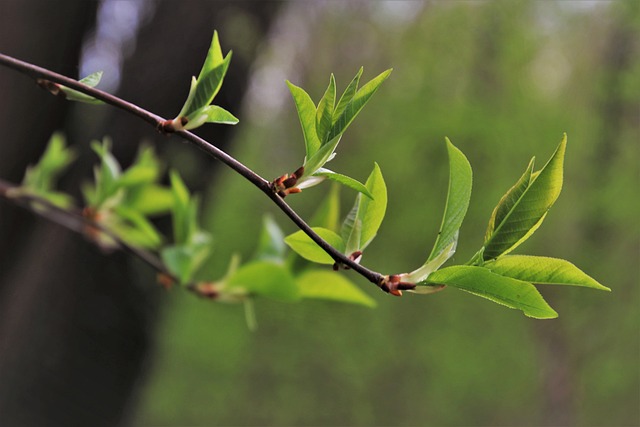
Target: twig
<point x="36" y="72"/>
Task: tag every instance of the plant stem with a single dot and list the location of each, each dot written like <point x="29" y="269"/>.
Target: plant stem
<point x="36" y="72"/>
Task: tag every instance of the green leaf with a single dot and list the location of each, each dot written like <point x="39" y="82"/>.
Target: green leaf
<point x="355" y="105"/>
<point x="367" y="213"/>
<point x="307" y="115"/>
<point x="503" y="290"/>
<point x="509" y="200"/>
<point x="150" y="199"/>
<point x="203" y="89"/>
<point x="344" y="180"/>
<point x="265" y="279"/>
<point x="92" y="79"/>
<point x="73" y="95"/>
<point x="347" y="95"/>
<point x="183" y="261"/>
<point x="107" y="174"/>
<point x="542" y="270"/>
<point x="324" y="113"/>
<point x="318" y="160"/>
<point x="271" y="246"/>
<point x="328" y="285"/>
<point x="529" y="210"/>
<point x="145" y="169"/>
<point x="214" y="56"/>
<point x="134" y="229"/>
<point x="41" y="177"/>
<point x="458" y="196"/>
<point x="308" y="249"/>
<point x="422" y="273"/>
<point x="208" y="86"/>
<point x="328" y="213"/>
<point x="184" y="211"/>
<point x="217" y="114"/>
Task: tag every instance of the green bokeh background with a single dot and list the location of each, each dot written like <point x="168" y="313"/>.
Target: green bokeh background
<point x="503" y="80"/>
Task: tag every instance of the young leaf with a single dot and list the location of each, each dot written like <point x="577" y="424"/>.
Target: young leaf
<point x="458" y="196"/>
<point x="365" y="218"/>
<point x="319" y="159"/>
<point x="271" y="246"/>
<point x="355" y="105"/>
<point x="347" y="95"/>
<point x="529" y="210"/>
<point x="217" y="114"/>
<point x="207" y="87"/>
<point x="344" y="180"/>
<point x="542" y="270"/>
<point x="324" y="113"/>
<point x="507" y="291"/>
<point x="40" y="179"/>
<point x="183" y="261"/>
<point x="91" y="80"/>
<point x="133" y="228"/>
<point x="196" y="109"/>
<point x="265" y="278"/>
<point x="308" y="249"/>
<point x="328" y="285"/>
<point x="150" y="199"/>
<point x="429" y="267"/>
<point x="509" y="200"/>
<point x="307" y="115"/>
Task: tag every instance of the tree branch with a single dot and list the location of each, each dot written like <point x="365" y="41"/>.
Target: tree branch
<point x="37" y="73"/>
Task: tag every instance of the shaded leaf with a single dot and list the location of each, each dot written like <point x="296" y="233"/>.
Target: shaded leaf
<point x="328" y="213"/>
<point x="367" y="213"/>
<point x="271" y="244"/>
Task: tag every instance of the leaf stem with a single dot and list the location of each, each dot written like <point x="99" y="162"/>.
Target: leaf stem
<point x="36" y="72"/>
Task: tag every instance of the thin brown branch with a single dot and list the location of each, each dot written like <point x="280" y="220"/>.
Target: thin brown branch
<point x="36" y="72"/>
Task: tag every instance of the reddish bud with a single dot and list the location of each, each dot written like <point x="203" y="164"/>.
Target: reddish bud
<point x="299" y="172"/>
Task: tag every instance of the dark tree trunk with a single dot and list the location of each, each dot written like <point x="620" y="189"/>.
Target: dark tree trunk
<point x="75" y="325"/>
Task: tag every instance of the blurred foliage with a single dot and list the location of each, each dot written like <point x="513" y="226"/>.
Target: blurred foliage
<point x="503" y="80"/>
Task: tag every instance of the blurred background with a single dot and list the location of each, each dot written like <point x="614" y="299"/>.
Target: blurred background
<point x="88" y="339"/>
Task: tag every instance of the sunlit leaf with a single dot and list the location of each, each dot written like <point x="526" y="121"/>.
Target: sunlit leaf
<point x="307" y="115"/>
<point x="332" y="286"/>
<point x="347" y="95"/>
<point x="355" y="105"/>
<point x="528" y="211"/>
<point x="542" y="270"/>
<point x="217" y="114"/>
<point x="507" y="291"/>
<point x="308" y="249"/>
<point x="344" y="180"/>
<point x="509" y="200"/>
<point x="458" y="196"/>
<point x="324" y="113"/>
